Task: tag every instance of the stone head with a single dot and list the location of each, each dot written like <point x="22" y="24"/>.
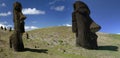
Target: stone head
<point x="18" y="11"/>
<point x="81" y="5"/>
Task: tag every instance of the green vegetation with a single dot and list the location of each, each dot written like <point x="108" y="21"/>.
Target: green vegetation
<point x="59" y="42"/>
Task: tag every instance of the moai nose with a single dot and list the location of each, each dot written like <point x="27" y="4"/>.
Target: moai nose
<point x="94" y="27"/>
<point x="22" y="17"/>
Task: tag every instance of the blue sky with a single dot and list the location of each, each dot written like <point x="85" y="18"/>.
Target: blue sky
<point x="47" y="13"/>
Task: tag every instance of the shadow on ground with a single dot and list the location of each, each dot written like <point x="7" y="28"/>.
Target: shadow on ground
<point x="37" y="50"/>
<point x="110" y="48"/>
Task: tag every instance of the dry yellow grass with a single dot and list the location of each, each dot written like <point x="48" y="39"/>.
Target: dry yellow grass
<point x="59" y="42"/>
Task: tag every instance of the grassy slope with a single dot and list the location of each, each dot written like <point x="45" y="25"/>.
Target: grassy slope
<point x="60" y="43"/>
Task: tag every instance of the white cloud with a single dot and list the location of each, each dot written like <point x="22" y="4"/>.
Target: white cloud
<point x="68" y="25"/>
<point x="54" y="1"/>
<point x="2" y="25"/>
<point x="34" y="22"/>
<point x="30" y="27"/>
<point x="5" y="24"/>
<point x="118" y="33"/>
<point x="5" y="14"/>
<point x="3" y="4"/>
<point x="32" y="11"/>
<point x="58" y="8"/>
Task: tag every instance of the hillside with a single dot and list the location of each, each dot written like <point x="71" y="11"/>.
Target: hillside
<point x="59" y="42"/>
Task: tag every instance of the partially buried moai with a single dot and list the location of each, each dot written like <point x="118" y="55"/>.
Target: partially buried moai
<point x="10" y="29"/>
<point x="84" y="27"/>
<point x="18" y="18"/>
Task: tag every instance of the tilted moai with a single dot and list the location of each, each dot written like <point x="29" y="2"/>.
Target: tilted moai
<point x="16" y="38"/>
<point x="84" y="27"/>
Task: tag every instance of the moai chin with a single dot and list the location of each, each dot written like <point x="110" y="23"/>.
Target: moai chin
<point x="16" y="38"/>
<point x="84" y="27"/>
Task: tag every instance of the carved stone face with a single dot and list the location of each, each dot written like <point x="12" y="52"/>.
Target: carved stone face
<point x="80" y="5"/>
<point x="18" y="9"/>
<point x="17" y="6"/>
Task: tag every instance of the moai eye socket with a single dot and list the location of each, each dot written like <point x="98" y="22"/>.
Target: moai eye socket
<point x="17" y="6"/>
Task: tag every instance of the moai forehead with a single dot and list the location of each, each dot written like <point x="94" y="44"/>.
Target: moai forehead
<point x="17" y="6"/>
<point x="81" y="7"/>
<point x="79" y="4"/>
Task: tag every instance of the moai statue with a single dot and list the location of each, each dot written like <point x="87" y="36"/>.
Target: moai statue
<point x="10" y="29"/>
<point x="27" y="35"/>
<point x="84" y="27"/>
<point x="16" y="38"/>
<point x="2" y="27"/>
<point x="5" y="28"/>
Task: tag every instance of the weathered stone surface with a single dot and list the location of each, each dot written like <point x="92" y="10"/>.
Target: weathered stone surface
<point x="16" y="42"/>
<point x="84" y="27"/>
<point x="22" y="23"/>
<point x="16" y="38"/>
